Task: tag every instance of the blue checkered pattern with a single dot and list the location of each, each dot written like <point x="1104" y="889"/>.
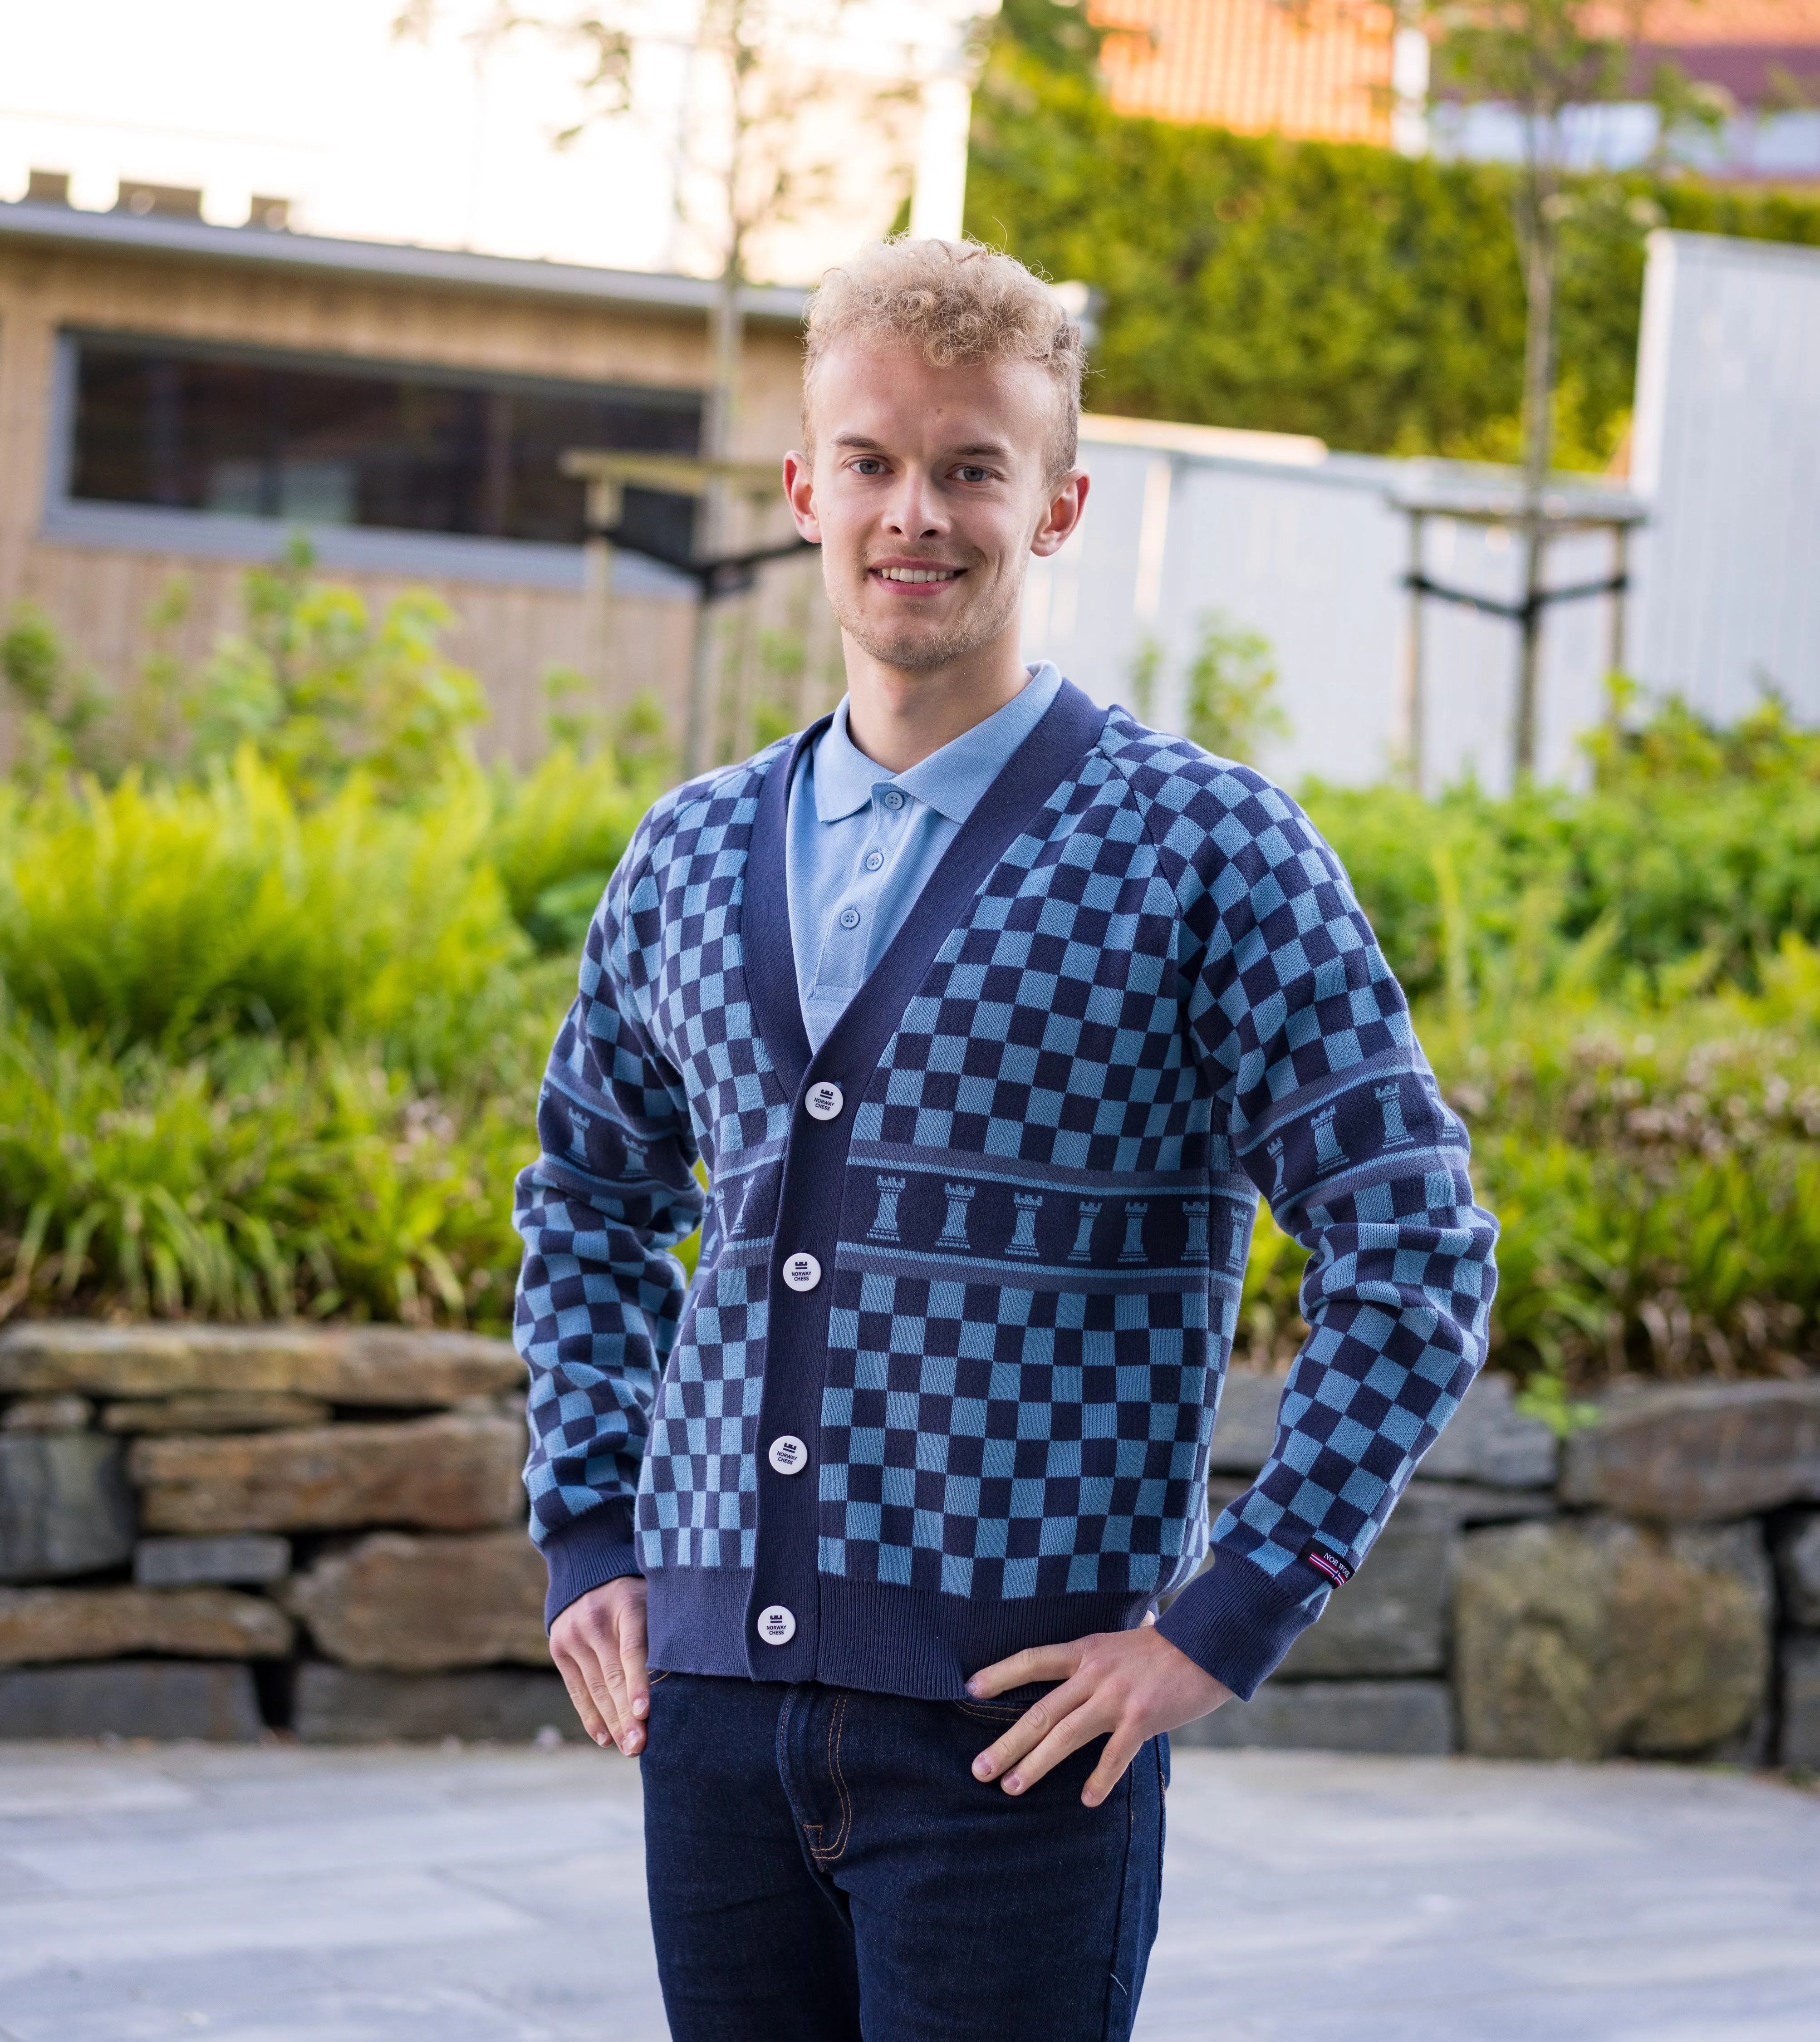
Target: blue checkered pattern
<point x="1163" y="999"/>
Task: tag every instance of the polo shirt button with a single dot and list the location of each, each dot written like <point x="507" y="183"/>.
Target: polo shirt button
<point x="849" y="918"/>
<point x="802" y="1272"/>
<point x="787" y="1454"/>
<point x="824" y="1101"/>
<point x="776" y="1625"/>
<point x="893" y="798"/>
<point x="874" y="859"/>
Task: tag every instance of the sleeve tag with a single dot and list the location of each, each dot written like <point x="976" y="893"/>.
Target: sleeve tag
<point x="1338" y="1570"/>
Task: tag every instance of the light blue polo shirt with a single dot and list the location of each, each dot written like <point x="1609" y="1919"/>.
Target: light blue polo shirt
<point x="861" y="841"/>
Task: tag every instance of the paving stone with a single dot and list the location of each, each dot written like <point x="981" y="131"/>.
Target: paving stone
<point x="417" y="1604"/>
<point x="1585" y="1638"/>
<point x="1486" y="1441"/>
<point x="341" y="1705"/>
<point x="65" y="1507"/>
<point x="48" y="1414"/>
<point x="158" y="1698"/>
<point x="246" y="1557"/>
<point x="1801" y="1703"/>
<point x="1797" y="1562"/>
<point x="1391" y="1617"/>
<point x="458" y="1472"/>
<point x="1411" y="1719"/>
<point x="388" y="1366"/>
<point x="1699" y="1452"/>
<point x="46" y="1625"/>
<point x="248" y="1411"/>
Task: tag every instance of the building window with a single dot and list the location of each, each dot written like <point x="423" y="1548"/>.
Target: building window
<point x="234" y="432"/>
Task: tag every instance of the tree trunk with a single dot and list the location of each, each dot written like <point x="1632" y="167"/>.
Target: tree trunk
<point x="1538" y="448"/>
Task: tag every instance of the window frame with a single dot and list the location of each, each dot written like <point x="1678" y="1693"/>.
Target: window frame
<point x="69" y="520"/>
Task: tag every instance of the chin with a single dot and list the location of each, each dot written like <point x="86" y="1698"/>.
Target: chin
<point x="922" y="651"/>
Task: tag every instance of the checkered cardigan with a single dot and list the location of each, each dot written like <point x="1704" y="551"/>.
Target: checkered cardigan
<point x="1137" y="991"/>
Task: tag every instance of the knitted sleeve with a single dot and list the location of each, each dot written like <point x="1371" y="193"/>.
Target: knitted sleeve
<point x="1334" y="1114"/>
<point x="599" y="1295"/>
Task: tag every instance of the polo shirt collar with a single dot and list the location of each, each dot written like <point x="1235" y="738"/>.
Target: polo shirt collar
<point x="951" y="781"/>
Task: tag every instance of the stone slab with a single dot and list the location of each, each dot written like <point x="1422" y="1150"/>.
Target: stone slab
<point x="1801" y="1703"/>
<point x="247" y="1559"/>
<point x="342" y="1705"/>
<point x="47" y="1624"/>
<point x="245" y="1411"/>
<point x="1486" y="1440"/>
<point x="1390" y="1618"/>
<point x="1587" y="1639"/>
<point x="65" y="1507"/>
<point x="386" y="1365"/>
<point x="1798" y="1563"/>
<point x="48" y="1414"/>
<point x="458" y="1472"/>
<point x="1409" y="1719"/>
<point x="157" y="1698"/>
<point x="1699" y="1452"/>
<point x="405" y="1603"/>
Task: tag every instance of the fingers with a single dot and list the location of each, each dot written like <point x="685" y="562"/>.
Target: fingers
<point x="1121" y="1747"/>
<point x="598" y="1645"/>
<point x="592" y="1722"/>
<point x="1079" y="1726"/>
<point x="1038" y="1662"/>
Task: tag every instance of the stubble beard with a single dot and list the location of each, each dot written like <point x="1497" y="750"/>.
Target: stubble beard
<point x="922" y="652"/>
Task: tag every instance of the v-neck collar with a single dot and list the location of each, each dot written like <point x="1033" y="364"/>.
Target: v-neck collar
<point x="1066" y="732"/>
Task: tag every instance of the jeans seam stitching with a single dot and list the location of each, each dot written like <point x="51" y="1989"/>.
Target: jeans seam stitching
<point x="836" y="1726"/>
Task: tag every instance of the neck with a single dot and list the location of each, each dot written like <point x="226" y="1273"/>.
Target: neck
<point x="897" y="716"/>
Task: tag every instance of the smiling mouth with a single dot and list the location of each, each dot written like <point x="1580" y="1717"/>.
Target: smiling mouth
<point x="918" y="576"/>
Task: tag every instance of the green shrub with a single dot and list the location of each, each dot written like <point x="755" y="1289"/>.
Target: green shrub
<point x="162" y="914"/>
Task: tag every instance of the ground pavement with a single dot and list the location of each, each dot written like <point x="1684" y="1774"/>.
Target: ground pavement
<point x="290" y="1895"/>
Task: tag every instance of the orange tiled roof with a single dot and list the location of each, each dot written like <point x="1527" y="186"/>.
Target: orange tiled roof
<point x="1251" y="65"/>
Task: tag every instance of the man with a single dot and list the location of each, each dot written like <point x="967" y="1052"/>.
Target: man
<point x="989" y="1012"/>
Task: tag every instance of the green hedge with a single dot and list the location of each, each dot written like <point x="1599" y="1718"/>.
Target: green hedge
<point x="1322" y="288"/>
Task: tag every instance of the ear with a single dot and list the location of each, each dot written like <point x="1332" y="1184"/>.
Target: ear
<point x="1061" y="515"/>
<point x="799" y="490"/>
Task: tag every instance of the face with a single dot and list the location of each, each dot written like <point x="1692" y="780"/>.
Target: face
<point x="928" y="491"/>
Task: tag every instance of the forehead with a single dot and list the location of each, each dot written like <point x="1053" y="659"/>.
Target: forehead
<point x="893" y="397"/>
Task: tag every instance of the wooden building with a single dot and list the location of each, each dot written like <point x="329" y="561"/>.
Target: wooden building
<point x="177" y="398"/>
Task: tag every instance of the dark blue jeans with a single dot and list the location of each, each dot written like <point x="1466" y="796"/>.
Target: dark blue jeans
<point x="823" y="1867"/>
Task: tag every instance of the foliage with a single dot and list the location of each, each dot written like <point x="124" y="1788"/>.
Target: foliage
<point x="312" y="686"/>
<point x="168" y="914"/>
<point x="1374" y="300"/>
<point x="257" y="1179"/>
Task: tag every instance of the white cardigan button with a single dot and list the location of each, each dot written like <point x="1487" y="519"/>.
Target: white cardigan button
<point x="776" y="1625"/>
<point x="787" y="1454"/>
<point x="824" y="1101"/>
<point x="802" y="1272"/>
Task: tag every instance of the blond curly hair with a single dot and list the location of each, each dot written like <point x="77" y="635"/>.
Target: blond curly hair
<point x="955" y="302"/>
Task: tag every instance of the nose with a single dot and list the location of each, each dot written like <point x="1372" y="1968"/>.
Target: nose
<point x="915" y="510"/>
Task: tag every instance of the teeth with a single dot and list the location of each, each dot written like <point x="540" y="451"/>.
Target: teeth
<point x="919" y="574"/>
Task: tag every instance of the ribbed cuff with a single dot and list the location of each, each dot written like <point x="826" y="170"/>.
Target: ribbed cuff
<point x="587" y="1552"/>
<point x="1236" y="1621"/>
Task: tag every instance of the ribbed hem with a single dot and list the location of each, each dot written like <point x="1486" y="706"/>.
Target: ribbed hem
<point x="587" y="1552"/>
<point x="1236" y="1621"/>
<point x="917" y="1642"/>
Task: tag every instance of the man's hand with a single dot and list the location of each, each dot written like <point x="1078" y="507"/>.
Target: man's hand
<point x="1122" y="1685"/>
<point x="598" y="1646"/>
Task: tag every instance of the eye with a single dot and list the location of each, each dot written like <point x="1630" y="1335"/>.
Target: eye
<point x="970" y="471"/>
<point x="869" y="464"/>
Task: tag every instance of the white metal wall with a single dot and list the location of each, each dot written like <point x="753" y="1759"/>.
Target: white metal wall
<point x="1305" y="550"/>
<point x="1727" y="449"/>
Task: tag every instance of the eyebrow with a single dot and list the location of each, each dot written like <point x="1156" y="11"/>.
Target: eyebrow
<point x="994" y="449"/>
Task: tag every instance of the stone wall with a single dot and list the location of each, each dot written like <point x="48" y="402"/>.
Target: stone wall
<point x="206" y="1531"/>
